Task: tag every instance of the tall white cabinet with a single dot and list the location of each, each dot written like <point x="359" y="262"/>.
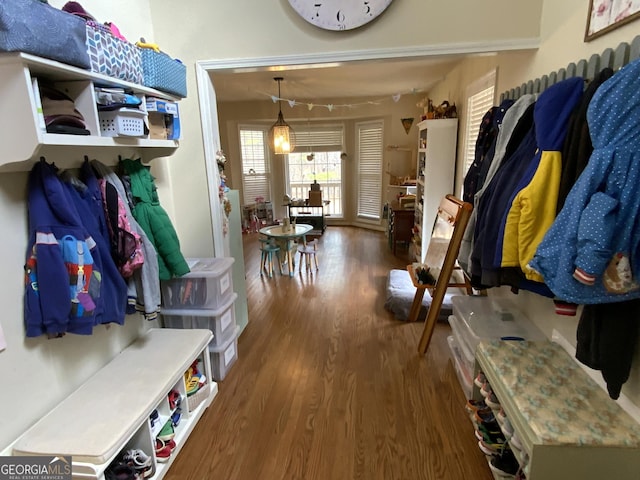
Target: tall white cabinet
<point x="437" y="141"/>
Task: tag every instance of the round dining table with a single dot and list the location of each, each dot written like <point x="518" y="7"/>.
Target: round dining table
<point x="289" y="235"/>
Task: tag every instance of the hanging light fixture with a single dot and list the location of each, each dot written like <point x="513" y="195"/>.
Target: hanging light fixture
<point x="282" y="139"/>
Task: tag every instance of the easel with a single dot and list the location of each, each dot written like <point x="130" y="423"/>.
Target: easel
<point x="451" y="221"/>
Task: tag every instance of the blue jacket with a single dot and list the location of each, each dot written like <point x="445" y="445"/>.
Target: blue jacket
<point x="62" y="287"/>
<point x="591" y="252"/>
<point x="87" y="198"/>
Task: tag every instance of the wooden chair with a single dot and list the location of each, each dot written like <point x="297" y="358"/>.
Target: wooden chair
<point x="448" y="230"/>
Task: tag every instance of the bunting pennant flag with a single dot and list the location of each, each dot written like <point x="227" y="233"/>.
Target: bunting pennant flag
<point x="406" y="123"/>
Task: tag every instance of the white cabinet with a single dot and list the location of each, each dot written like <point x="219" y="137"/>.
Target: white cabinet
<point x="22" y="132"/>
<point x="435" y="171"/>
<point x="110" y="413"/>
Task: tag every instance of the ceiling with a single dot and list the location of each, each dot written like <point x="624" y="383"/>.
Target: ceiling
<point x="311" y="83"/>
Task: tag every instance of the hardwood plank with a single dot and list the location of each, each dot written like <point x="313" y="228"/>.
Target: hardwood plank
<point x="328" y="385"/>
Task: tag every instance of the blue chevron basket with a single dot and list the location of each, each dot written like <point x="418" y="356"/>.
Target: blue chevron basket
<point x="163" y="72"/>
<point x="111" y="56"/>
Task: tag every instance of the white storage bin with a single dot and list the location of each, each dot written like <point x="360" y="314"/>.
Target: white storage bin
<point x="487" y="318"/>
<point x="208" y="285"/>
<point x="468" y="355"/>
<point x="125" y="122"/>
<point x="221" y="321"/>
<point x="224" y="356"/>
<point x="464" y="375"/>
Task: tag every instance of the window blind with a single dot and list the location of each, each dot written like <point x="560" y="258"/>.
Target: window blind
<point x="255" y="165"/>
<point x="369" y="141"/>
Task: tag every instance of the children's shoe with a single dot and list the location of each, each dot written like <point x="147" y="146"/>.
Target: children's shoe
<point x="492" y="401"/>
<point x="167" y="432"/>
<point x="474" y="405"/>
<point x="174" y="398"/>
<point x="140" y="461"/>
<point x="480" y="380"/>
<point x="504" y="464"/>
<point x="121" y="471"/>
<point x="163" y="451"/>
<point x="175" y="418"/>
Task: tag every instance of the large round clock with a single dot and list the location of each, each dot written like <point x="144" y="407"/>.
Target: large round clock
<point x="339" y="14"/>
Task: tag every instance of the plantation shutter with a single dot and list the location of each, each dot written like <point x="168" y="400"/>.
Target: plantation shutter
<point x="369" y="141"/>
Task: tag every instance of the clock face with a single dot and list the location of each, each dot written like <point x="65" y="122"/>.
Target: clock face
<point x="339" y="14"/>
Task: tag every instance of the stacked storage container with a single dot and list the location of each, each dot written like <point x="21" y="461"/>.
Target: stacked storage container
<point x="204" y="298"/>
<point x="478" y="318"/>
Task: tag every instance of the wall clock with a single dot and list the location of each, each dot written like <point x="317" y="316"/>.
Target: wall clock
<point x="339" y="14"/>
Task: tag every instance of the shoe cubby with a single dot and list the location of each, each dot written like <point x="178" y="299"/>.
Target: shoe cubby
<point x="111" y="412"/>
<point x="558" y="422"/>
<point x="21" y="77"/>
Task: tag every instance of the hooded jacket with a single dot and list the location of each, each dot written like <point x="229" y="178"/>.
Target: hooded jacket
<point x="144" y="285"/>
<point x="533" y="208"/>
<point x="591" y="252"/>
<point x="155" y="222"/>
<point x="62" y="288"/>
<point x="505" y="130"/>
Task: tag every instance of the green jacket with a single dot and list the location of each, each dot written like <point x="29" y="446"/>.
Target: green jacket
<point x="154" y="220"/>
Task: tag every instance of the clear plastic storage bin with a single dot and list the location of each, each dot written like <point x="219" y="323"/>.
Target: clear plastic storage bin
<point x="464" y="376"/>
<point x="221" y="321"/>
<point x="208" y="286"/>
<point x="224" y="356"/>
<point x="467" y="354"/>
<point x="487" y="318"/>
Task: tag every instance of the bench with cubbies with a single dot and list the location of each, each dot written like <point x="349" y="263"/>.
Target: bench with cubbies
<point x="562" y="424"/>
<point x="110" y="413"/>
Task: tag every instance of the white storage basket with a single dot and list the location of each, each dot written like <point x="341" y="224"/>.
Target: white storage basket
<point x="125" y="122"/>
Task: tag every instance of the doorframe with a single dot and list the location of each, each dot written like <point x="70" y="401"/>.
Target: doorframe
<point x="209" y="109"/>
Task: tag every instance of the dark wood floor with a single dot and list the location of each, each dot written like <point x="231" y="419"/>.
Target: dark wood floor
<point x="329" y="386"/>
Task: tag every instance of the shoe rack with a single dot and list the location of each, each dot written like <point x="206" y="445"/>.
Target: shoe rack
<point x="115" y="410"/>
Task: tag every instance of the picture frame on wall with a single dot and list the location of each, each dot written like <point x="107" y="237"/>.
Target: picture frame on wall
<point x="607" y="15"/>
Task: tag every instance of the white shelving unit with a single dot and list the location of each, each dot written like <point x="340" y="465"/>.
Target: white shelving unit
<point x="437" y="141"/>
<point x="110" y="412"/>
<point x="22" y="131"/>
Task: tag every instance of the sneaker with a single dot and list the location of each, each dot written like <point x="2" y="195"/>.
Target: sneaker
<point x="154" y="417"/>
<point x="167" y="432"/>
<point x="485" y="390"/>
<point x="492" y="401"/>
<point x="175" y="418"/>
<point x="174" y="399"/>
<point x="491" y="449"/>
<point x="484" y="416"/>
<point x="121" y="471"/>
<point x="490" y="436"/>
<point x="473" y="405"/>
<point x="163" y="451"/>
<point x="515" y="442"/>
<point x="505" y="464"/>
<point x="140" y="461"/>
<point x="480" y="380"/>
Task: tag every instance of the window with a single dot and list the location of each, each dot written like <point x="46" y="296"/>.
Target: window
<point x="479" y="100"/>
<point x="256" y="181"/>
<point x="317" y="157"/>
<point x="369" y="145"/>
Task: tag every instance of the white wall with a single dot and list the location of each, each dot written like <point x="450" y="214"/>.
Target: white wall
<point x="45" y="371"/>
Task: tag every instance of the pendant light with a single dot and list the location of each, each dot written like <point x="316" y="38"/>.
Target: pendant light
<point x="281" y="136"/>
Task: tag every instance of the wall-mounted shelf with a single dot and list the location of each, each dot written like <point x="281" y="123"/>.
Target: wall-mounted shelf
<point x="22" y="131"/>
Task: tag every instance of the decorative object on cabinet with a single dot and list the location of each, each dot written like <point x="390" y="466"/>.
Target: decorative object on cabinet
<point x="110" y="413"/>
<point x="452" y="217"/>
<point x="19" y="85"/>
<point x="435" y="171"/>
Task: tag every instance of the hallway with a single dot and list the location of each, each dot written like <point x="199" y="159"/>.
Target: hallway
<point x="329" y="386"/>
